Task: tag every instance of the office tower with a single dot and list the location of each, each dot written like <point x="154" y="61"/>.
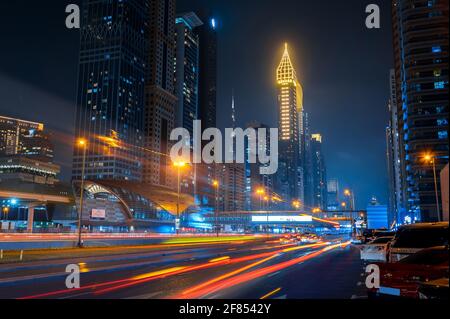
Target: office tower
<point x="25" y="139"/>
<point x="253" y="179"/>
<point x="160" y="99"/>
<point x="186" y="83"/>
<point x="319" y="175"/>
<point x="207" y="101"/>
<point x="290" y="100"/>
<point x="420" y="34"/>
<point x="396" y="190"/>
<point x="110" y="102"/>
<point x="333" y="195"/>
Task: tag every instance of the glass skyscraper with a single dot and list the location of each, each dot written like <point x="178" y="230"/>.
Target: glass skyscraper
<point x="111" y="80"/>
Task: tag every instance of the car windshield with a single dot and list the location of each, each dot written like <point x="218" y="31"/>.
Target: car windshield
<point x="427" y="257"/>
<point x="421" y="238"/>
<point x="382" y="240"/>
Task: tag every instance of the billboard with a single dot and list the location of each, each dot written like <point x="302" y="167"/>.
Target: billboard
<point x="98" y="213"/>
<point x="281" y="219"/>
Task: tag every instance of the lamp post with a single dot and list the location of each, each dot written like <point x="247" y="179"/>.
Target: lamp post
<point x="216" y="185"/>
<point x="179" y="166"/>
<point x="81" y="143"/>
<point x="260" y="191"/>
<point x="351" y="200"/>
<point x="431" y="159"/>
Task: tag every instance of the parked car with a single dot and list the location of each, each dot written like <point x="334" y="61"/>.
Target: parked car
<point x="404" y="278"/>
<point x="372" y="234"/>
<point x="410" y="239"/>
<point x="436" y="289"/>
<point x="376" y="250"/>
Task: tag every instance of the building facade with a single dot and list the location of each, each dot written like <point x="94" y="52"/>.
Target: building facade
<point x="319" y="173"/>
<point x="333" y="202"/>
<point x="253" y="179"/>
<point x="207" y="101"/>
<point x="186" y="83"/>
<point x="160" y="99"/>
<point x="397" y="202"/>
<point x="420" y="30"/>
<point x="25" y="139"/>
<point x="110" y="102"/>
<point x="290" y="100"/>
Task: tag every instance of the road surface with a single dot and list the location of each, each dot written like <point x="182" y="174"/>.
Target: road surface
<point x="263" y="268"/>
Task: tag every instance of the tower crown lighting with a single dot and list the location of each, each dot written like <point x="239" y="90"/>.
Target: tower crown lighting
<point x="286" y="72"/>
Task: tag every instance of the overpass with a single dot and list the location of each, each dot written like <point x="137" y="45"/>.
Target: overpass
<point x="32" y="195"/>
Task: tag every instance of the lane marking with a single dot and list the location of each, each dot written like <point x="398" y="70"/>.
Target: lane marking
<point x="273" y="274"/>
<point x="273" y="292"/>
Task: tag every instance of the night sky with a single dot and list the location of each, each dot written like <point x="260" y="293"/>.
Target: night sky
<point x="343" y="67"/>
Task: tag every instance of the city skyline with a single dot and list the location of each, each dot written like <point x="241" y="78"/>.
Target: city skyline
<point x="342" y="160"/>
<point x="225" y="150"/>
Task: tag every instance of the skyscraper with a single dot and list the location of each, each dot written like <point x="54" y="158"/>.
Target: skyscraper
<point x="319" y="174"/>
<point x="253" y="178"/>
<point x="307" y="163"/>
<point x="290" y="100"/>
<point x="110" y="102"/>
<point x="186" y="83"/>
<point x="187" y="69"/>
<point x="160" y="99"/>
<point x="207" y="102"/>
<point x="420" y="32"/>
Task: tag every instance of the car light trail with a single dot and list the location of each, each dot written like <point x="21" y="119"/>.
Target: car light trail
<point x="128" y="282"/>
<point x="254" y="274"/>
<point x="219" y="259"/>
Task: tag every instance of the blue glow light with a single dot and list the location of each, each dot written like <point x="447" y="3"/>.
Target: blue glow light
<point x="13" y="201"/>
<point x="213" y="23"/>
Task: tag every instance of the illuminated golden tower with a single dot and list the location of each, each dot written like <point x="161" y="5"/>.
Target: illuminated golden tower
<point x="290" y="100"/>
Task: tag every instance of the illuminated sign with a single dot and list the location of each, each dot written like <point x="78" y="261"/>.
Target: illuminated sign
<point x="98" y="213"/>
<point x="281" y="219"/>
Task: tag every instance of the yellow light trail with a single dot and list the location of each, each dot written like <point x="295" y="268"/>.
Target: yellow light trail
<point x="158" y="273"/>
<point x="273" y="292"/>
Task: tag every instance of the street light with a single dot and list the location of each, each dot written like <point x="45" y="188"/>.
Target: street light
<point x="179" y="165"/>
<point x="82" y="143"/>
<point x="431" y="159"/>
<point x="216" y="185"/>
<point x="348" y="193"/>
<point x="296" y="204"/>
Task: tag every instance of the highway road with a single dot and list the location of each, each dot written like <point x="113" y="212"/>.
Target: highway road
<point x="248" y="269"/>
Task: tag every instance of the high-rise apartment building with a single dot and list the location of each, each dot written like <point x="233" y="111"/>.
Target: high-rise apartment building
<point x="420" y="33"/>
<point x="110" y="102"/>
<point x="290" y="100"/>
